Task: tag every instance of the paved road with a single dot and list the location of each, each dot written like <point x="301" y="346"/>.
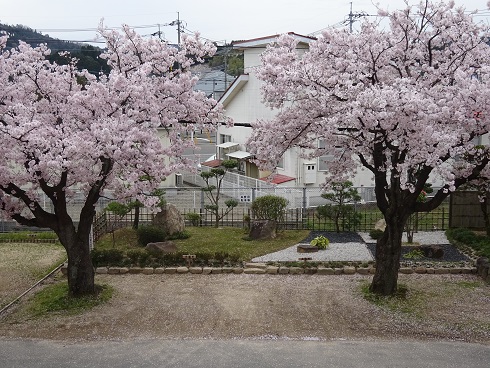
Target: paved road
<point x="241" y="354"/>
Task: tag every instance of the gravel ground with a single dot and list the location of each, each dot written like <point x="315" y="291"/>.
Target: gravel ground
<point x="359" y="247"/>
<point x="307" y="307"/>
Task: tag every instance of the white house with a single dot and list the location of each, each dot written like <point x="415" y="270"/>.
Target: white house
<point x="243" y="103"/>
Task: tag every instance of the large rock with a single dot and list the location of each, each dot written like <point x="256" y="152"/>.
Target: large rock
<point x="380" y="225"/>
<point x="432" y="251"/>
<point x="169" y="219"/>
<point x="263" y="229"/>
<point x="165" y="247"/>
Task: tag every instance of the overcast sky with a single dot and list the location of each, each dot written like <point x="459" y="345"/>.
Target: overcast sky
<point x="216" y="20"/>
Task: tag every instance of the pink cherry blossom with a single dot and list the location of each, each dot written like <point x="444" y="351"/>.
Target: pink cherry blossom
<point x="399" y="100"/>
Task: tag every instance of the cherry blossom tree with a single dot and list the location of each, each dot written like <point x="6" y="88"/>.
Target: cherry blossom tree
<point x="65" y="132"/>
<point x="402" y="99"/>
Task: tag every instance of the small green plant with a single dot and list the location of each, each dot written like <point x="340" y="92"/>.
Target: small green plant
<point x="414" y="254"/>
<point x="193" y="218"/>
<point x="320" y="242"/>
<point x="376" y="234"/>
<point x="150" y="234"/>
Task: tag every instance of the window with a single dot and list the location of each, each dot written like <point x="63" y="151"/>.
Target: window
<point x="280" y="163"/>
<point x="323" y="160"/>
<point x="223" y="138"/>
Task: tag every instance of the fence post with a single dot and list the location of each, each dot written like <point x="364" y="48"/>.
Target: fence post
<point x="254" y="193"/>
<point x="201" y="210"/>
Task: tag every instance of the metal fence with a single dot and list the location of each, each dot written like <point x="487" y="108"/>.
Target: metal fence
<point x="301" y="218"/>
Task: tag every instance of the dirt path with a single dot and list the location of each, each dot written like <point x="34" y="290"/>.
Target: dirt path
<point x="258" y="306"/>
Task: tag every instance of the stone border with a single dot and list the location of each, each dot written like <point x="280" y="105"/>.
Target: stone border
<point x="264" y="269"/>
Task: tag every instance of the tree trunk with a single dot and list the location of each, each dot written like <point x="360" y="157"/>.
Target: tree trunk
<point x="136" y="217"/>
<point x="80" y="271"/>
<point x="486" y="216"/>
<point x="388" y="252"/>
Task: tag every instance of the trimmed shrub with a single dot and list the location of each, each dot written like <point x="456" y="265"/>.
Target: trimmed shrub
<point x="107" y="257"/>
<point x="376" y="234"/>
<point x="269" y="207"/>
<point x="150" y="234"/>
<point x="193" y="218"/>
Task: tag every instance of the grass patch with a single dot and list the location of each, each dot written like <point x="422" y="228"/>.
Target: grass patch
<point x="406" y="301"/>
<point x="28" y="235"/>
<point x="54" y="299"/>
<point x="34" y="260"/>
<point x="479" y="243"/>
<point x="212" y="240"/>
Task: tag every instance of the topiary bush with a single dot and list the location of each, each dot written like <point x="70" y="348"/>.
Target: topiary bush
<point x="193" y="218"/>
<point x="269" y="207"/>
<point x="107" y="257"/>
<point x="150" y="234"/>
<point x="376" y="234"/>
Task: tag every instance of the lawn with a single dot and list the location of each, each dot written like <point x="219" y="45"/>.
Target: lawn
<point x="22" y="264"/>
<point x="229" y="240"/>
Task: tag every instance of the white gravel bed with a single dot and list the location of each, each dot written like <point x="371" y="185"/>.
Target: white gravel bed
<point x="355" y="252"/>
<point x="422" y="237"/>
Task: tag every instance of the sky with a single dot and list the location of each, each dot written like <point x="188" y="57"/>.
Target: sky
<point x="220" y="21"/>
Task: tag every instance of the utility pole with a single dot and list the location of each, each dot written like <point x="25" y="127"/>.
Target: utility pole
<point x="177" y="23"/>
<point x="354" y="16"/>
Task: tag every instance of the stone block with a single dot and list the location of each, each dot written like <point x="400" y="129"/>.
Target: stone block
<point x="283" y="270"/>
<point x="420" y="270"/>
<point x="430" y="270"/>
<point x="254" y="271"/>
<point x="455" y="270"/>
<point x="113" y="270"/>
<point x="349" y="270"/>
<point x="148" y="271"/>
<point x="195" y="270"/>
<point x="207" y="270"/>
<point x="406" y="270"/>
<point x="237" y="270"/>
<point x="310" y="270"/>
<point x="296" y="270"/>
<point x="372" y="270"/>
<point x="216" y="270"/>
<point x="325" y="271"/>
<point x="182" y="269"/>
<point x="101" y="270"/>
<point x="339" y="271"/>
<point x="306" y="248"/>
<point x="227" y="269"/>
<point x="467" y="270"/>
<point x="123" y="270"/>
<point x="363" y="271"/>
<point x="441" y="271"/>
<point x="255" y="265"/>
<point x="170" y="270"/>
<point x="159" y="270"/>
<point x="272" y="270"/>
<point x="135" y="270"/>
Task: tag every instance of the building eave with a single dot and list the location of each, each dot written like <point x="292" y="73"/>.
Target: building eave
<point x="234" y="88"/>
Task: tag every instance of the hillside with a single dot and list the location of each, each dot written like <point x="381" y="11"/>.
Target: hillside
<point x="88" y="55"/>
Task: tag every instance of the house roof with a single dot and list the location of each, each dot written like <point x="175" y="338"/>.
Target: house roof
<point x="254" y="42"/>
<point x="212" y="163"/>
<point x="227" y="145"/>
<point x="278" y="178"/>
<point x="240" y="155"/>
